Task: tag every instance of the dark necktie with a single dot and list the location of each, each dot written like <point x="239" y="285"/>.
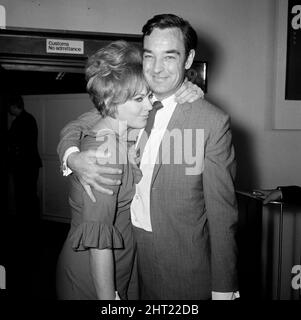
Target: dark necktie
<point x="149" y="126"/>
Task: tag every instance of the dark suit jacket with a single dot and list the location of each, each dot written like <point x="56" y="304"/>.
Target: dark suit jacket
<point x="194" y="216"/>
<point x="23" y="142"/>
<point x="291" y="194"/>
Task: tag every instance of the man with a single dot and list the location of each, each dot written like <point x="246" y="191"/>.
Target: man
<point x="24" y="164"/>
<point x="184" y="217"/>
<point x="24" y="160"/>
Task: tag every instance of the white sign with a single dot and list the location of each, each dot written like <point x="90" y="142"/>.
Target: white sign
<point x="64" y="46"/>
<point x="2" y="17"/>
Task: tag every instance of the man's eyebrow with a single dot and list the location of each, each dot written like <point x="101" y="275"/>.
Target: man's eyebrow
<point x="168" y="51"/>
<point x="173" y="51"/>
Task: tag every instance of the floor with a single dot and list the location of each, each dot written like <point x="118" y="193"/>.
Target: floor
<point x="33" y="252"/>
<point x="29" y="253"/>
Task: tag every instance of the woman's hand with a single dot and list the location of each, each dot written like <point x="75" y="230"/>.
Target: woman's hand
<point x="188" y="92"/>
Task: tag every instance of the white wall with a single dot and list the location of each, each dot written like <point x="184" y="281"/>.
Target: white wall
<point x="237" y="40"/>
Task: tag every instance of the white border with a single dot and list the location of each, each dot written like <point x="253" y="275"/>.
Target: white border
<point x="287" y="113"/>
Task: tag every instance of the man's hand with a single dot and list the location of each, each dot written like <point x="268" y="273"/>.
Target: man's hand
<point x="188" y="92"/>
<point x="90" y="173"/>
<point x="268" y="195"/>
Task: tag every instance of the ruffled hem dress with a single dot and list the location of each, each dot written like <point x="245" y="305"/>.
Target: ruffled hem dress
<point x="102" y="224"/>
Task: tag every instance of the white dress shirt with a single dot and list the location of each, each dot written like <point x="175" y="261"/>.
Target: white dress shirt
<point x="140" y="207"/>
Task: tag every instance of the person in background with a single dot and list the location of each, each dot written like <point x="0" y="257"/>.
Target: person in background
<point x="24" y="163"/>
<point x="184" y="222"/>
<point x="286" y="194"/>
<point x="24" y="160"/>
<point x="97" y="258"/>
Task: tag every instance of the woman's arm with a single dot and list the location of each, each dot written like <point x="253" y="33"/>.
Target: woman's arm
<point x="70" y="135"/>
<point x="102" y="271"/>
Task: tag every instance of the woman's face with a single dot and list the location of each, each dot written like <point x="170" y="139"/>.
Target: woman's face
<point x="135" y="111"/>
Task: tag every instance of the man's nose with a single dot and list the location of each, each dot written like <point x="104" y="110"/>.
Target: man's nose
<point x="158" y="65"/>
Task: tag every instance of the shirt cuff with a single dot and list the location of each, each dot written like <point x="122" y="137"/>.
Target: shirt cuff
<point x="225" y="295"/>
<point x="66" y="170"/>
<point x="281" y="194"/>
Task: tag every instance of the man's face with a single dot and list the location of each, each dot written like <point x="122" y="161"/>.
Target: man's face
<point x="164" y="61"/>
<point x="13" y="110"/>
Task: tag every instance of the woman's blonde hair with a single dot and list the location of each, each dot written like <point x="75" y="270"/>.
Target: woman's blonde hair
<point x="114" y="75"/>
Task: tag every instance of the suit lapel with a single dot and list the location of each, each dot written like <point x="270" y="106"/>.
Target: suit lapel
<point x="177" y="120"/>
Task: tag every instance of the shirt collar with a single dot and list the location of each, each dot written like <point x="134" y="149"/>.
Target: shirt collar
<point x="169" y="101"/>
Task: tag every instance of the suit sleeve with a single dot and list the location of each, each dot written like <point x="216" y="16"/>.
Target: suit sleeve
<point x="291" y="194"/>
<point x="71" y="134"/>
<point x="221" y="206"/>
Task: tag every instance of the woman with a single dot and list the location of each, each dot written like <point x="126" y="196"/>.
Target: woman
<point x="97" y="256"/>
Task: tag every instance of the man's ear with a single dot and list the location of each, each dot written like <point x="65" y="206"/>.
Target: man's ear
<point x="189" y="59"/>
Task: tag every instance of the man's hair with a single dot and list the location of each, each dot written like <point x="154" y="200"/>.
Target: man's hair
<point x="166" y="21"/>
<point x="16" y="100"/>
<point x="114" y="75"/>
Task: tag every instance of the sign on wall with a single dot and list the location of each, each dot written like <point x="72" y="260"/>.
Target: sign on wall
<point x="64" y="46"/>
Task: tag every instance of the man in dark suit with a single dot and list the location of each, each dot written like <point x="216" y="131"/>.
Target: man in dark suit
<point x="184" y="212"/>
<point x="24" y="163"/>
<point x="24" y="160"/>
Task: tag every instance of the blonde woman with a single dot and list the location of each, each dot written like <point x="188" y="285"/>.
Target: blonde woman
<point x="97" y="256"/>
